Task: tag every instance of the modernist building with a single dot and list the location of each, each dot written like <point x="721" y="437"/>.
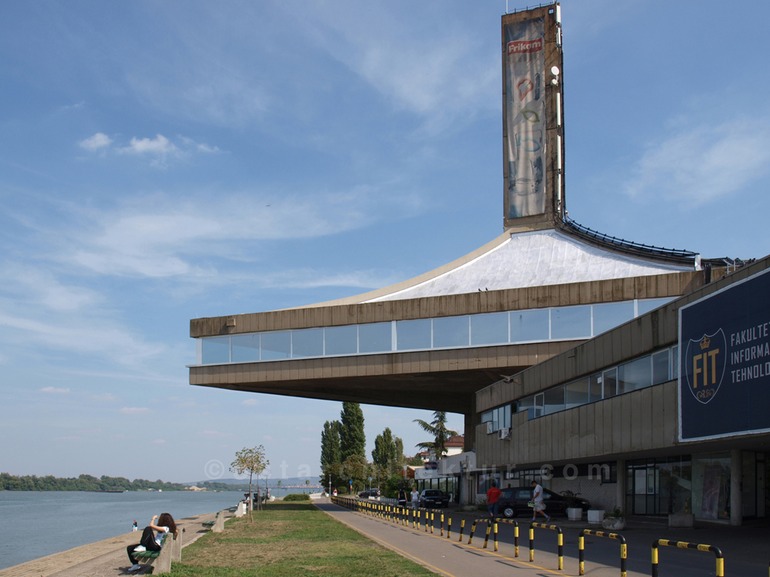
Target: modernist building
<point x="514" y="333"/>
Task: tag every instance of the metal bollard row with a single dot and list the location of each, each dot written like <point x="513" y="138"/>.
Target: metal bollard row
<point x="615" y="536"/>
<point x="720" y="560"/>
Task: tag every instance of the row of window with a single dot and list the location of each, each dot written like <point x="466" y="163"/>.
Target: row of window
<point x="487" y="329"/>
<point x="654" y="369"/>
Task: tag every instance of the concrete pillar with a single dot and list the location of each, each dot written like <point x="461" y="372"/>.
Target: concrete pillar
<point x="736" y="481"/>
<point x="621" y="485"/>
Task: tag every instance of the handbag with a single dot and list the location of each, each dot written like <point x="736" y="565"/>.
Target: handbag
<point x="531" y="504"/>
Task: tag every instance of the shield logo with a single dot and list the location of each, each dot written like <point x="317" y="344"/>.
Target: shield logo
<point x="705" y="365"/>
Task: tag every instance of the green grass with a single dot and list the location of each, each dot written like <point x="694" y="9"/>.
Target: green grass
<point x="290" y="540"/>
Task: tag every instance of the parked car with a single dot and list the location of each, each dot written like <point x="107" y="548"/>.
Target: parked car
<point x="433" y="498"/>
<point x="370" y="494"/>
<point x="514" y="501"/>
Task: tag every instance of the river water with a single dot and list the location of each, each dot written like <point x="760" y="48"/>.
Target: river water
<point x="38" y="523"/>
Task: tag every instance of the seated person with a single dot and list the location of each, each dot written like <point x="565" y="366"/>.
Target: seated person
<point x="151" y="538"/>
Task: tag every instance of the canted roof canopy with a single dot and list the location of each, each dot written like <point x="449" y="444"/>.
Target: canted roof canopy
<point x="521" y="260"/>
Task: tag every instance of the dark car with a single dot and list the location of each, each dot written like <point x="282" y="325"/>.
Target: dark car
<point x="514" y="501"/>
<point x="370" y="494"/>
<point x="433" y="498"/>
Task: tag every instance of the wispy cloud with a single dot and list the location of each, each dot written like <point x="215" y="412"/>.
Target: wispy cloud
<point x="703" y="162"/>
<point x="159" y="150"/>
<point x="98" y="141"/>
<point x="55" y="390"/>
<point x="158" y="146"/>
<point x="134" y="410"/>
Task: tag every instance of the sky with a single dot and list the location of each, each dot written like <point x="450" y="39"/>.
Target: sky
<point x="164" y="161"/>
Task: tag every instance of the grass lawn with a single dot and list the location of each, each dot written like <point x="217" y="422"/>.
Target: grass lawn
<point x="290" y="539"/>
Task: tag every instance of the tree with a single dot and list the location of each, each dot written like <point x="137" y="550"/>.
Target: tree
<point x="352" y="436"/>
<point x="386" y="454"/>
<point x="437" y="428"/>
<point x="252" y="461"/>
<point x="331" y="455"/>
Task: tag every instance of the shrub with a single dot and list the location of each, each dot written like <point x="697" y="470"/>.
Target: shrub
<point x="297" y="497"/>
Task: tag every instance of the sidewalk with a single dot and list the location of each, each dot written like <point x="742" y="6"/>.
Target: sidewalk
<point x="746" y="549"/>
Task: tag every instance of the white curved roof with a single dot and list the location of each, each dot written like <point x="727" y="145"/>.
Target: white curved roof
<point x="524" y="259"/>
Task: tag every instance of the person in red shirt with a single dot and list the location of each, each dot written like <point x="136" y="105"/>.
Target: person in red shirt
<point x="493" y="494"/>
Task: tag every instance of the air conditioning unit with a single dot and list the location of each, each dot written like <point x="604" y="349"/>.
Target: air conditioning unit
<point x="490" y="428"/>
<point x="505" y="433"/>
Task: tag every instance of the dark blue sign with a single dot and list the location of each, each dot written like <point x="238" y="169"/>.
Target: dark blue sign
<point x="724" y="354"/>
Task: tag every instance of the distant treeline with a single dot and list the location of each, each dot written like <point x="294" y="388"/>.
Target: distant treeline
<point x="103" y="483"/>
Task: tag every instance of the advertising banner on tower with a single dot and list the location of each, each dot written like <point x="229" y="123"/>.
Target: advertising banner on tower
<point x="724" y="354"/>
<point x="525" y="120"/>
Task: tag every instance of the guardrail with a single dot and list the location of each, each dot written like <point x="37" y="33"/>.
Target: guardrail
<point x="404" y="515"/>
<point x="615" y="536"/>
<point x="559" y="540"/>
<point x="720" y="560"/>
<point x="515" y="534"/>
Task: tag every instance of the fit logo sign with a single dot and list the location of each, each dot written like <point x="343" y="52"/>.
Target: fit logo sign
<point x="707" y="360"/>
<point x="724" y="361"/>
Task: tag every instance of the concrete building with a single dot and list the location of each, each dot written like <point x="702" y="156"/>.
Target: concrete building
<point x="523" y="337"/>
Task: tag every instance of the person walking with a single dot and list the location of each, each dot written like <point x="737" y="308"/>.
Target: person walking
<point x="415" y="498"/>
<point x="538" y="505"/>
<point x="493" y="495"/>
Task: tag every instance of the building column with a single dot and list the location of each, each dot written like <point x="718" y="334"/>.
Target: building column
<point x="620" y="486"/>
<point x="736" y="481"/>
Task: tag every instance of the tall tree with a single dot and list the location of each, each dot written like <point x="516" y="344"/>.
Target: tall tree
<point x="251" y="461"/>
<point x="352" y="436"/>
<point x="437" y="427"/>
<point x="331" y="455"/>
<point x="386" y="455"/>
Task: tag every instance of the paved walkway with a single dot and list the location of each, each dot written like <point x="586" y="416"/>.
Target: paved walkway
<point x="746" y="549"/>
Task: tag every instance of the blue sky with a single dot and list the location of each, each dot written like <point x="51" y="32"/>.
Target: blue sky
<point x="162" y="161"/>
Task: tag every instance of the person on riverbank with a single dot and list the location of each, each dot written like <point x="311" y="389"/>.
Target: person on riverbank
<point x="152" y="535"/>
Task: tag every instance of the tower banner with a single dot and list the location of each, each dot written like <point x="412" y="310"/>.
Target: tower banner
<point x="525" y="121"/>
<point x="724" y="354"/>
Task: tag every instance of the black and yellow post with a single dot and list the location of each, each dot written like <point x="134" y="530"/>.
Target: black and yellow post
<point x="473" y="530"/>
<point x="441" y="523"/>
<point x="720" y="560"/>
<point x="616" y="536"/>
<point x="462" y="526"/>
<point x="486" y="533"/>
<point x="559" y="541"/>
<point x="448" y="527"/>
<point x="515" y="534"/>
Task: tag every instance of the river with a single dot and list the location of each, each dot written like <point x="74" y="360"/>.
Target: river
<point x="38" y="523"/>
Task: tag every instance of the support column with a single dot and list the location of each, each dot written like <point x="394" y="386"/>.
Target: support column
<point x="620" y="486"/>
<point x="736" y="481"/>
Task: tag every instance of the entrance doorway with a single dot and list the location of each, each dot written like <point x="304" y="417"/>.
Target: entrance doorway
<point x="659" y="486"/>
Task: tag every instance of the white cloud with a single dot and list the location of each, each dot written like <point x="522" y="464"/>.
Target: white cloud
<point x="703" y="163"/>
<point x="96" y="142"/>
<point x="158" y="146"/>
<point x="134" y="410"/>
<point x="158" y="149"/>
<point x="55" y="390"/>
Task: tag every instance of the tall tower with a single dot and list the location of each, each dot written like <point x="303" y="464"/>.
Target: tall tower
<point x="533" y="143"/>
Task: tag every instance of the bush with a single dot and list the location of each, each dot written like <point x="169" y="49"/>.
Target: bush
<point x="297" y="497"/>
